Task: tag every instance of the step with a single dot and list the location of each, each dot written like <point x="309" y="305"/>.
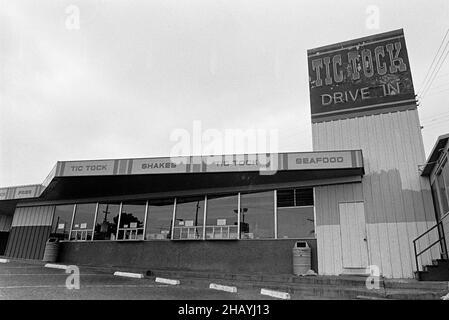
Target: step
<point x="404" y="284"/>
<point x="441" y="262"/>
<point x="432" y="276"/>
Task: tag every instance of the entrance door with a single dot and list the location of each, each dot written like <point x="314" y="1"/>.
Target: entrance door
<point x="353" y="235"/>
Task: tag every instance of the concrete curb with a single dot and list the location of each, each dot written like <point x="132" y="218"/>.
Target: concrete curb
<point x="275" y="294"/>
<point x="215" y="286"/>
<point x="128" y="274"/>
<point x="167" y="281"/>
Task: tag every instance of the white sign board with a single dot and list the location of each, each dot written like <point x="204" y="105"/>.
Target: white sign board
<point x="221" y="222"/>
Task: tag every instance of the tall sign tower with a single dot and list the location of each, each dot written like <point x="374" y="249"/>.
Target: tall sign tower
<point x="362" y="97"/>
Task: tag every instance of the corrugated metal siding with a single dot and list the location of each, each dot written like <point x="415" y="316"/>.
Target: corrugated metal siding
<point x="5" y="223"/>
<point x="30" y="230"/>
<point x="27" y="242"/>
<point x="33" y="216"/>
<point x="397" y="200"/>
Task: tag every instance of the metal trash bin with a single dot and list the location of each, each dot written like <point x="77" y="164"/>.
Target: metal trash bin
<point x="302" y="258"/>
<point x="51" y="250"/>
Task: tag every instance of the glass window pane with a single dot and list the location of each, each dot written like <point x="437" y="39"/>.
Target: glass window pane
<point x="294" y="197"/>
<point x="296" y="222"/>
<point x="83" y="221"/>
<point x="222" y="217"/>
<point x="304" y="197"/>
<point x="189" y="218"/>
<point x="62" y="219"/>
<point x="446" y="178"/>
<point x="442" y="193"/>
<point x="132" y="220"/>
<point x="257" y="215"/>
<point x="106" y="224"/>
<point x="160" y="215"/>
<point x="286" y="198"/>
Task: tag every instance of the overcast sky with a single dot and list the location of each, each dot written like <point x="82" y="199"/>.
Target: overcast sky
<point x="135" y="71"/>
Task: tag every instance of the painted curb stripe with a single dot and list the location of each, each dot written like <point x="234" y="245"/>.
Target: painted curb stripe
<point x="223" y="288"/>
<point x="167" y="281"/>
<point x="4" y="260"/>
<point x="56" y="266"/>
<point x="275" y="294"/>
<point x="128" y="274"/>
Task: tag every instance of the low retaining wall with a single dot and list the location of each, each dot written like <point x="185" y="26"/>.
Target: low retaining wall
<point x="229" y="256"/>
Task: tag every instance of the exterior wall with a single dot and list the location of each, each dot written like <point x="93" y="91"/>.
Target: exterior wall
<point x="30" y="230"/>
<point x="5" y="225"/>
<point x="438" y="199"/>
<point x="228" y="256"/>
<point x="398" y="203"/>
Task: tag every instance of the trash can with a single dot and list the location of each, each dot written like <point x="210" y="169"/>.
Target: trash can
<point x="51" y="250"/>
<point x="302" y="258"/>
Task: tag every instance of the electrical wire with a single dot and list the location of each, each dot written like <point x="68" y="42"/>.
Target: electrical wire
<point x="437" y="69"/>
<point x="434" y="58"/>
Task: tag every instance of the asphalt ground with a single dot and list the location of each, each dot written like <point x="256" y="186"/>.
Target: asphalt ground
<point x="35" y="282"/>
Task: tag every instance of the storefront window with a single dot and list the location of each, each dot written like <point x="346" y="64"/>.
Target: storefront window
<point x="132" y="220"/>
<point x="296" y="222"/>
<point x="189" y="218"/>
<point x="62" y="219"/>
<point x="160" y="215"/>
<point x="222" y="217"/>
<point x="257" y="215"/>
<point x="106" y="224"/>
<point x="294" y="198"/>
<point x="83" y="221"/>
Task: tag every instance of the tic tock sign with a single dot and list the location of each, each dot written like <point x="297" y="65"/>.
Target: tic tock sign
<point x="362" y="75"/>
<point x="88" y="168"/>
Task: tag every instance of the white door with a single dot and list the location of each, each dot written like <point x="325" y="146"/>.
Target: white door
<point x="353" y="235"/>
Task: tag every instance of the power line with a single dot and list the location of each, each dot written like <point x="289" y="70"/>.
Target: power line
<point x="445" y="118"/>
<point x="424" y="119"/>
<point x="442" y="121"/>
<point x="434" y="58"/>
<point x="437" y="92"/>
<point x="436" y="70"/>
<point x="430" y="85"/>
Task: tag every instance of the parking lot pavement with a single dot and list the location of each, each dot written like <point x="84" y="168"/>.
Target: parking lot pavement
<point x="36" y="282"/>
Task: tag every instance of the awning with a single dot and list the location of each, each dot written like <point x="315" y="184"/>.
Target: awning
<point x="157" y="177"/>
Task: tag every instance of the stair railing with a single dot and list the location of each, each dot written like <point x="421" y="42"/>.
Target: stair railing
<point x="441" y="240"/>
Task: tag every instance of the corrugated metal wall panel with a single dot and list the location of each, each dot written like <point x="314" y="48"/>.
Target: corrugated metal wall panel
<point x="397" y="200"/>
<point x="27" y="242"/>
<point x="33" y="216"/>
<point x="5" y="223"/>
<point x="30" y="229"/>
